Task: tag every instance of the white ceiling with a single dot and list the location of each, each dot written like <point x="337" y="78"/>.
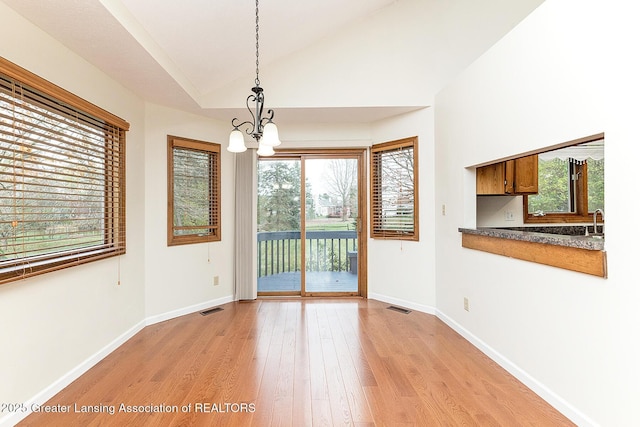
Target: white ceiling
<point x="175" y="52"/>
<point x="228" y="27"/>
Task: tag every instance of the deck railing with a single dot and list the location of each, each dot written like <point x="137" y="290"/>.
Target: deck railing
<point x="280" y="251"/>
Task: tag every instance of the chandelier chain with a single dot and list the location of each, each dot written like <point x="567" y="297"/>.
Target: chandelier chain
<point x="257" y="47"/>
<point x="260" y="124"/>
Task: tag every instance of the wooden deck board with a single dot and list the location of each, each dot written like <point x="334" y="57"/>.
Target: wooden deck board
<point x="317" y="281"/>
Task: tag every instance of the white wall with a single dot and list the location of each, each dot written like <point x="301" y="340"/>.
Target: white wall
<point x="400" y="56"/>
<point x="491" y="211"/>
<point x="182" y="276"/>
<point x="403" y="272"/>
<point x="564" y="73"/>
<point x="53" y="323"/>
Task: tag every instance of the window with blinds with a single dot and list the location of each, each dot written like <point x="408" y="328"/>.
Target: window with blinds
<point x="394" y="190"/>
<point x="62" y="179"/>
<point x="193" y="191"/>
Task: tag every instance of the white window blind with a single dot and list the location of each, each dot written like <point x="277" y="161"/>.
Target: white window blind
<point x="61" y="182"/>
<point x="394" y="203"/>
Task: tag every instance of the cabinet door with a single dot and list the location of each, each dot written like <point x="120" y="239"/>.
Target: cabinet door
<point x="490" y="179"/>
<point x="526" y="175"/>
<point x="509" y="176"/>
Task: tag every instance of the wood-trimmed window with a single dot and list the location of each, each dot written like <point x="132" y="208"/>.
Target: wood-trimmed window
<point x="394" y="190"/>
<point x="193" y="191"/>
<point x="62" y="177"/>
<point x="570" y="188"/>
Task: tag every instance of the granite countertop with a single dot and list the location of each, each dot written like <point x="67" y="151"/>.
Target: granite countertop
<point x="572" y="241"/>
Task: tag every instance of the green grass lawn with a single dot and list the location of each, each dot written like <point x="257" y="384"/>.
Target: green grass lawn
<point x="330" y="224"/>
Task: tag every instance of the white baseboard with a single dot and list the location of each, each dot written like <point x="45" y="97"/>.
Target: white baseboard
<point x="186" y="310"/>
<point x="540" y="389"/>
<point x="536" y="386"/>
<point x="402" y="303"/>
<point x="57" y="386"/>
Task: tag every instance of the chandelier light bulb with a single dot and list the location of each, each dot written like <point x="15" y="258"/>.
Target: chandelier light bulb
<point x="270" y="135"/>
<point x="236" y="142"/>
<point x="265" y="150"/>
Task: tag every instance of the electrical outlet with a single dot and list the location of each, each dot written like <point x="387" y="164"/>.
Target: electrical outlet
<point x="508" y="216"/>
<point x="216" y="280"/>
<point x="466" y="304"/>
<point x="444" y="210"/>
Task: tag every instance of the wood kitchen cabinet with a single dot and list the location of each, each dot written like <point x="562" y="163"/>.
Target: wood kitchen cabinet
<point x="525" y="175"/>
<point x="511" y="177"/>
<point x="490" y="179"/>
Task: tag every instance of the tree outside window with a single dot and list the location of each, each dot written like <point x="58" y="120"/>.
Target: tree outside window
<point x="394" y="190"/>
<point x="570" y="184"/>
<point x="62" y="178"/>
<point x="193" y="191"/>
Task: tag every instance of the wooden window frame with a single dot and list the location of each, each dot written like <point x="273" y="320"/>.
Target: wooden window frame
<point x="376" y="230"/>
<point x="33" y="98"/>
<point x="214" y="233"/>
<point x="579" y="194"/>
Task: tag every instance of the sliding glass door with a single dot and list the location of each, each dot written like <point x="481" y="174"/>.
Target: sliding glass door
<point x="279" y="226"/>
<point x="331" y="225"/>
<point x="318" y="195"/>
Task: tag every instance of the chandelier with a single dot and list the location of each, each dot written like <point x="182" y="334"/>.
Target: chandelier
<point x="262" y="129"/>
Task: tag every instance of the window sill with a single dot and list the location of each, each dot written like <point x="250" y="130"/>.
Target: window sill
<point x="577" y="253"/>
<point x="39" y="265"/>
<point x="554" y="218"/>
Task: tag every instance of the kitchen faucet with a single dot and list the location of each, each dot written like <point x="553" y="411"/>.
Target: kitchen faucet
<point x="595" y="225"/>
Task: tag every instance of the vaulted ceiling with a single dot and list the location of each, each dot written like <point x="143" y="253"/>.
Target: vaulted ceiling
<point x="199" y="55"/>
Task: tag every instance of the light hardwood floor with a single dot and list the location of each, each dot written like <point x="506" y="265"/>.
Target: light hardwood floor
<point x="300" y="362"/>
